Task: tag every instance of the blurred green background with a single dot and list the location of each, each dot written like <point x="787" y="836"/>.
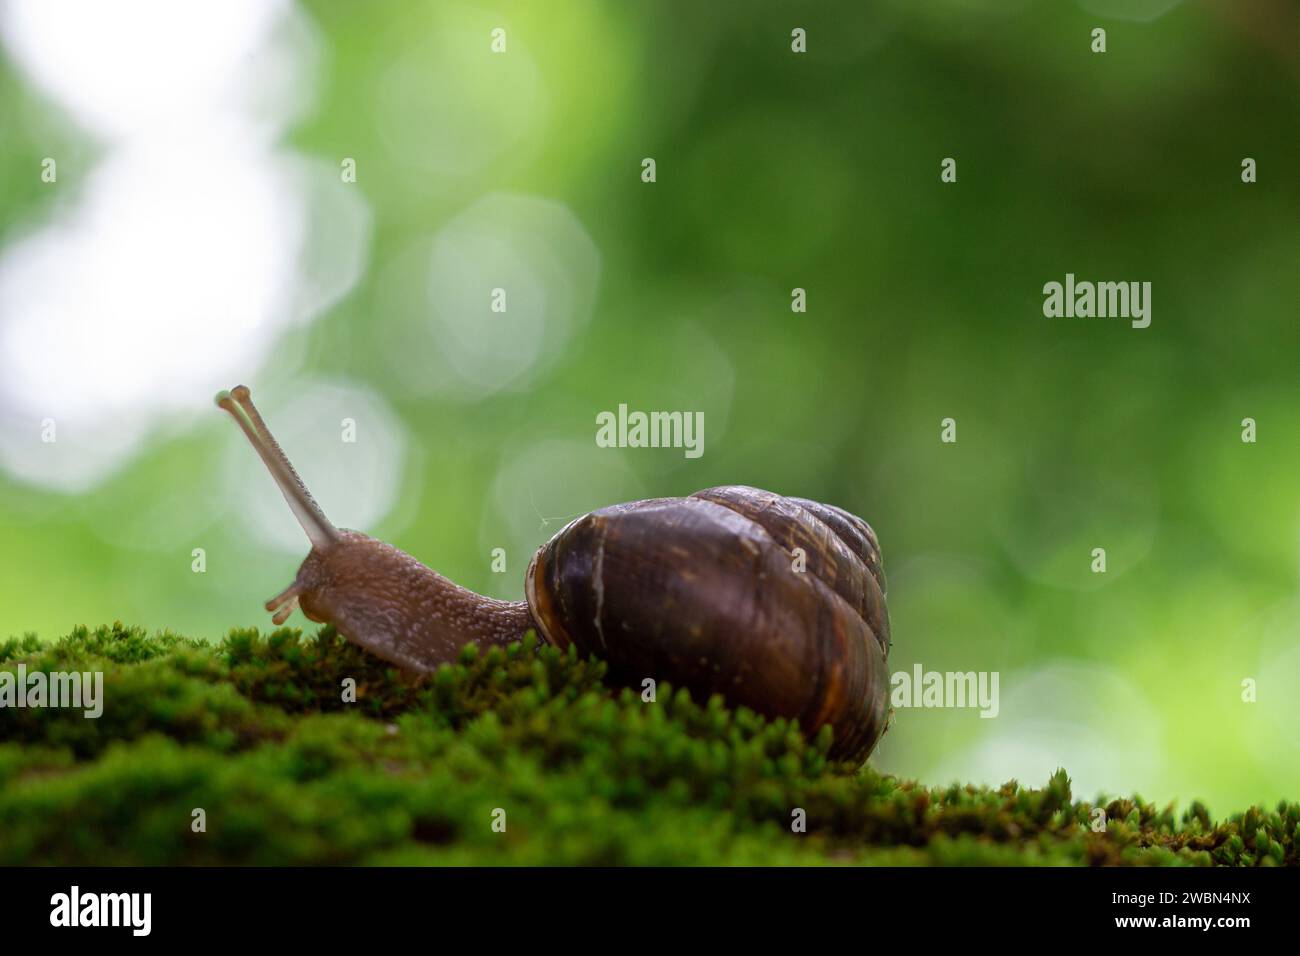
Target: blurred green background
<point x="200" y="232"/>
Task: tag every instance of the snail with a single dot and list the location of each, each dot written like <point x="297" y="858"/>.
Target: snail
<point x="777" y="604"/>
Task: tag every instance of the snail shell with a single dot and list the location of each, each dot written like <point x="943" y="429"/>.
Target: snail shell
<point x="703" y="592"/>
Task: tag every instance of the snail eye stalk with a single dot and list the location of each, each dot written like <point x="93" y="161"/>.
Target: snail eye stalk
<point x="239" y="403"/>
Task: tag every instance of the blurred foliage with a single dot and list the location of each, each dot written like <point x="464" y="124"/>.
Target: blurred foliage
<point x="775" y="171"/>
<point x="254" y="732"/>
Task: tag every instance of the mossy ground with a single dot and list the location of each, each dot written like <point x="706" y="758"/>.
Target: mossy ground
<point x="255" y="732"/>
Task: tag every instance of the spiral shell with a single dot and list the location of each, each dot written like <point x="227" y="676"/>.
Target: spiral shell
<point x="706" y="592"/>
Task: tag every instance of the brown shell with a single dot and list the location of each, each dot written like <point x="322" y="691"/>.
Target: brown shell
<point x="702" y="592"/>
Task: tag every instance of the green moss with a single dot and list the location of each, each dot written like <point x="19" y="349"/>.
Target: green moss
<point x="255" y="732"/>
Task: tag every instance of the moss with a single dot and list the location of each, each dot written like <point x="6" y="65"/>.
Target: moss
<point x="255" y="732"/>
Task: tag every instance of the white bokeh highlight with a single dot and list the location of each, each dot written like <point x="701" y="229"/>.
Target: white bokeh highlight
<point x="435" y="323"/>
<point x="496" y="122"/>
<point x="173" y="267"/>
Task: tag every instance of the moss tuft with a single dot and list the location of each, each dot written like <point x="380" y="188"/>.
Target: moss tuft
<point x="255" y="732"/>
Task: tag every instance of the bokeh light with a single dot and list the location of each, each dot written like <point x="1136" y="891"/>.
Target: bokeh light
<point x="441" y="332"/>
<point x="184" y="252"/>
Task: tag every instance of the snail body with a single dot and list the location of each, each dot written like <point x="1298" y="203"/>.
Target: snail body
<point x="776" y="603"/>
